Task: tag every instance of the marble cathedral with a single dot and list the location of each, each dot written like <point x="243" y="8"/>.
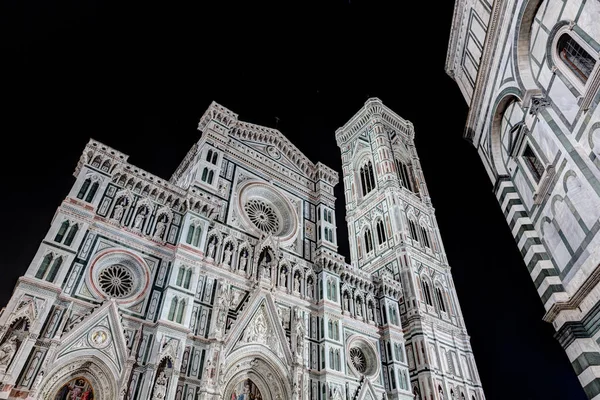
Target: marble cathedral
<point x="530" y="71"/>
<point x="224" y="282"/>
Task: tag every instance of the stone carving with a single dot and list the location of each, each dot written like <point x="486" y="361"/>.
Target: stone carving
<point x="297" y="283"/>
<point x="537" y="104"/>
<point x="7" y="351"/>
<point x="227" y="254"/>
<point x="160" y="387"/>
<point x="211" y="248"/>
<point x="118" y="212"/>
<point x="160" y="230"/>
<point x="244" y="260"/>
<point x="257" y="331"/>
<point x="300" y="332"/>
<point x="139" y="220"/>
<point x="310" y="289"/>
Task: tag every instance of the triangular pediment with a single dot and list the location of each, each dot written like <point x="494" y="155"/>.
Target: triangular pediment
<point x="100" y="334"/>
<point x="367" y="392"/>
<point x="274" y="154"/>
<point x="259" y="324"/>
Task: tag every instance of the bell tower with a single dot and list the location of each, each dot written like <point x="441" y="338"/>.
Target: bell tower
<point x="393" y="234"/>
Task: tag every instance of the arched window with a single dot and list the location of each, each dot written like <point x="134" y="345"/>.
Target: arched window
<point x="331" y="362"/>
<point x="180" y="311"/>
<point x="105" y="166"/>
<point x="44" y="266"/>
<point x="197" y="234"/>
<point x="96" y="162"/>
<point x="425" y="235"/>
<point x="180" y="276"/>
<point x="406" y="176"/>
<point x="54" y="269"/>
<point x="71" y="234"/>
<point x="209" y="155"/>
<point x="84" y="187"/>
<point x="92" y="192"/>
<point x="575" y="57"/>
<point x="368" y="241"/>
<point x="367" y="178"/>
<point x="190" y="235"/>
<point x="380" y="232"/>
<point x="330" y="329"/>
<point x="427" y="292"/>
<point x="210" y="177"/>
<point x="462" y="396"/>
<point x="204" y="174"/>
<point x="61" y="231"/>
<point x="329" y="290"/>
<point x="188" y="278"/>
<point x="172" y="310"/>
<point x="214" y="158"/>
<point x="440" y="299"/>
<point x="413" y="230"/>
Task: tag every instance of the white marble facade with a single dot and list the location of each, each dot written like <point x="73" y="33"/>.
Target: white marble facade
<point x="224" y="282"/>
<point x="532" y="82"/>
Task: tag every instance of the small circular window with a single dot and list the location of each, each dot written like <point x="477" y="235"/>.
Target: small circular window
<point x="262" y="215"/>
<point x="116" y="281"/>
<point x="358" y="359"/>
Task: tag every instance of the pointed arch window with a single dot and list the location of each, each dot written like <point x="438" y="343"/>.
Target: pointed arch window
<point x="210" y="177"/>
<point x="213" y="160"/>
<point x="54" y="269"/>
<point x="180" y="276"/>
<point x="440" y="299"/>
<point x="427" y="292"/>
<point x="61" y="232"/>
<point x="380" y="232"/>
<point x="71" y="234"/>
<point x="368" y="241"/>
<point x="406" y="176"/>
<point x="425" y="234"/>
<point x="204" y="174"/>
<point x="197" y="234"/>
<point x="367" y="178"/>
<point x="44" y="266"/>
<point x="209" y="155"/>
<point x="188" y="278"/>
<point x="172" y="309"/>
<point x="413" y="230"/>
<point x="84" y="187"/>
<point x="90" y="196"/>
<point x="180" y="311"/>
<point x="190" y="234"/>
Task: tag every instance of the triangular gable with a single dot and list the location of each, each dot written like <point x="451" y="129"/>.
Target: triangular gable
<point x="367" y="392"/>
<point x="259" y="324"/>
<point x="274" y="154"/>
<point x="100" y="333"/>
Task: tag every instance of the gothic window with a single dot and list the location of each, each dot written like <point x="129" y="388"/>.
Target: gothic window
<point x="204" y="174"/>
<point x="406" y="176"/>
<point x="190" y="234"/>
<point x="172" y="309"/>
<point x="84" y="187"/>
<point x="214" y="158"/>
<point x="105" y="166"/>
<point x="427" y="292"/>
<point x="96" y="162"/>
<point x="209" y="155"/>
<point x="41" y="273"/>
<point x="329" y="289"/>
<point x="462" y="396"/>
<point x="54" y="269"/>
<point x="92" y="192"/>
<point x="440" y="299"/>
<point x="533" y="163"/>
<point x="210" y="177"/>
<point x="368" y="241"/>
<point x="188" y="278"/>
<point x="61" y="232"/>
<point x="579" y="61"/>
<point x="380" y="232"/>
<point x="180" y="276"/>
<point x="392" y="378"/>
<point x="330" y="330"/>
<point x="425" y="235"/>
<point x="367" y="178"/>
<point x="71" y="234"/>
<point x="413" y="230"/>
<point x="180" y="312"/>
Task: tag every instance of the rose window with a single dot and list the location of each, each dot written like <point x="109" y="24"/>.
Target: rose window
<point x="358" y="359"/>
<point x="262" y="215"/>
<point x="116" y="281"/>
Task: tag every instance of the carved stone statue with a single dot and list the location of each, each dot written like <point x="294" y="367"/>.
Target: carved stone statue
<point x="346" y="303"/>
<point x="310" y="289"/>
<point x="8" y="350"/>
<point x="297" y="283"/>
<point x="118" y="213"/>
<point x="227" y="256"/>
<point x="160" y="229"/>
<point x="160" y="387"/>
<point x="139" y="220"/>
<point x="371" y="314"/>
<point x="300" y="332"/>
<point x="211" y="249"/>
<point x="244" y="261"/>
<point x="359" y="308"/>
<point x="283" y="278"/>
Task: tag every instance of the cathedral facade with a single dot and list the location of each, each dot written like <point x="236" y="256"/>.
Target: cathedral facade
<point x="530" y="71"/>
<point x="224" y="282"/>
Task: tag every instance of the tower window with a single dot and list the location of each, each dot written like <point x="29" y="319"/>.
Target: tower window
<point x="406" y="176"/>
<point x="380" y="232"/>
<point x="367" y="178"/>
<point x="209" y="155"/>
<point x="84" y="188"/>
<point x="413" y="230"/>
<point x="61" y="232"/>
<point x="425" y="235"/>
<point x="533" y="163"/>
<point x="427" y="292"/>
<point x="579" y="61"/>
<point x="71" y="235"/>
<point x="368" y="241"/>
<point x="440" y="299"/>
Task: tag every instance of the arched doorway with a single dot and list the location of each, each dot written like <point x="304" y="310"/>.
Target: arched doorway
<point x="80" y="379"/>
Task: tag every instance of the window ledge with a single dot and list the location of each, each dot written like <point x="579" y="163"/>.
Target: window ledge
<point x="544" y="185"/>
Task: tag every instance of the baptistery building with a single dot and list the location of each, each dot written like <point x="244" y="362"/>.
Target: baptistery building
<point x="530" y="72"/>
<point x="224" y="282"/>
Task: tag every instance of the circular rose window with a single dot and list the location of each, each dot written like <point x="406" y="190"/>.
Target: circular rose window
<point x="358" y="359"/>
<point x="362" y="357"/>
<point x="262" y="215"/>
<point x="116" y="281"/>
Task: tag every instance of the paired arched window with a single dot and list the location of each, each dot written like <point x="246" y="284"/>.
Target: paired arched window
<point x="60" y="235"/>
<point x="193" y="236"/>
<point x="575" y="57"/>
<point x="440" y="299"/>
<point x="177" y="310"/>
<point x="427" y="292"/>
<point x="368" y="241"/>
<point x="184" y="277"/>
<point x="380" y="232"/>
<point x="367" y="178"/>
<point x="49" y="268"/>
<point x="328" y="234"/>
<point x="211" y="157"/>
<point x="207" y="176"/>
<point x="85" y="193"/>
<point x="406" y="176"/>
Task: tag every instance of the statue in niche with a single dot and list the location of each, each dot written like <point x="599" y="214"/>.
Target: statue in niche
<point x="359" y="309"/>
<point x="118" y="212"/>
<point x="371" y="316"/>
<point x="160" y="387"/>
<point x="297" y="283"/>
<point x="8" y="350"/>
<point x="244" y="260"/>
<point x="283" y="277"/>
<point x="160" y="229"/>
<point x="310" y="289"/>
<point x="300" y="332"/>
<point x="139" y="219"/>
<point x="211" y="248"/>
<point x="346" y="302"/>
<point x="227" y="254"/>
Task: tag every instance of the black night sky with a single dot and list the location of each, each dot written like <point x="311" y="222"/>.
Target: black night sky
<point x="138" y="77"/>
